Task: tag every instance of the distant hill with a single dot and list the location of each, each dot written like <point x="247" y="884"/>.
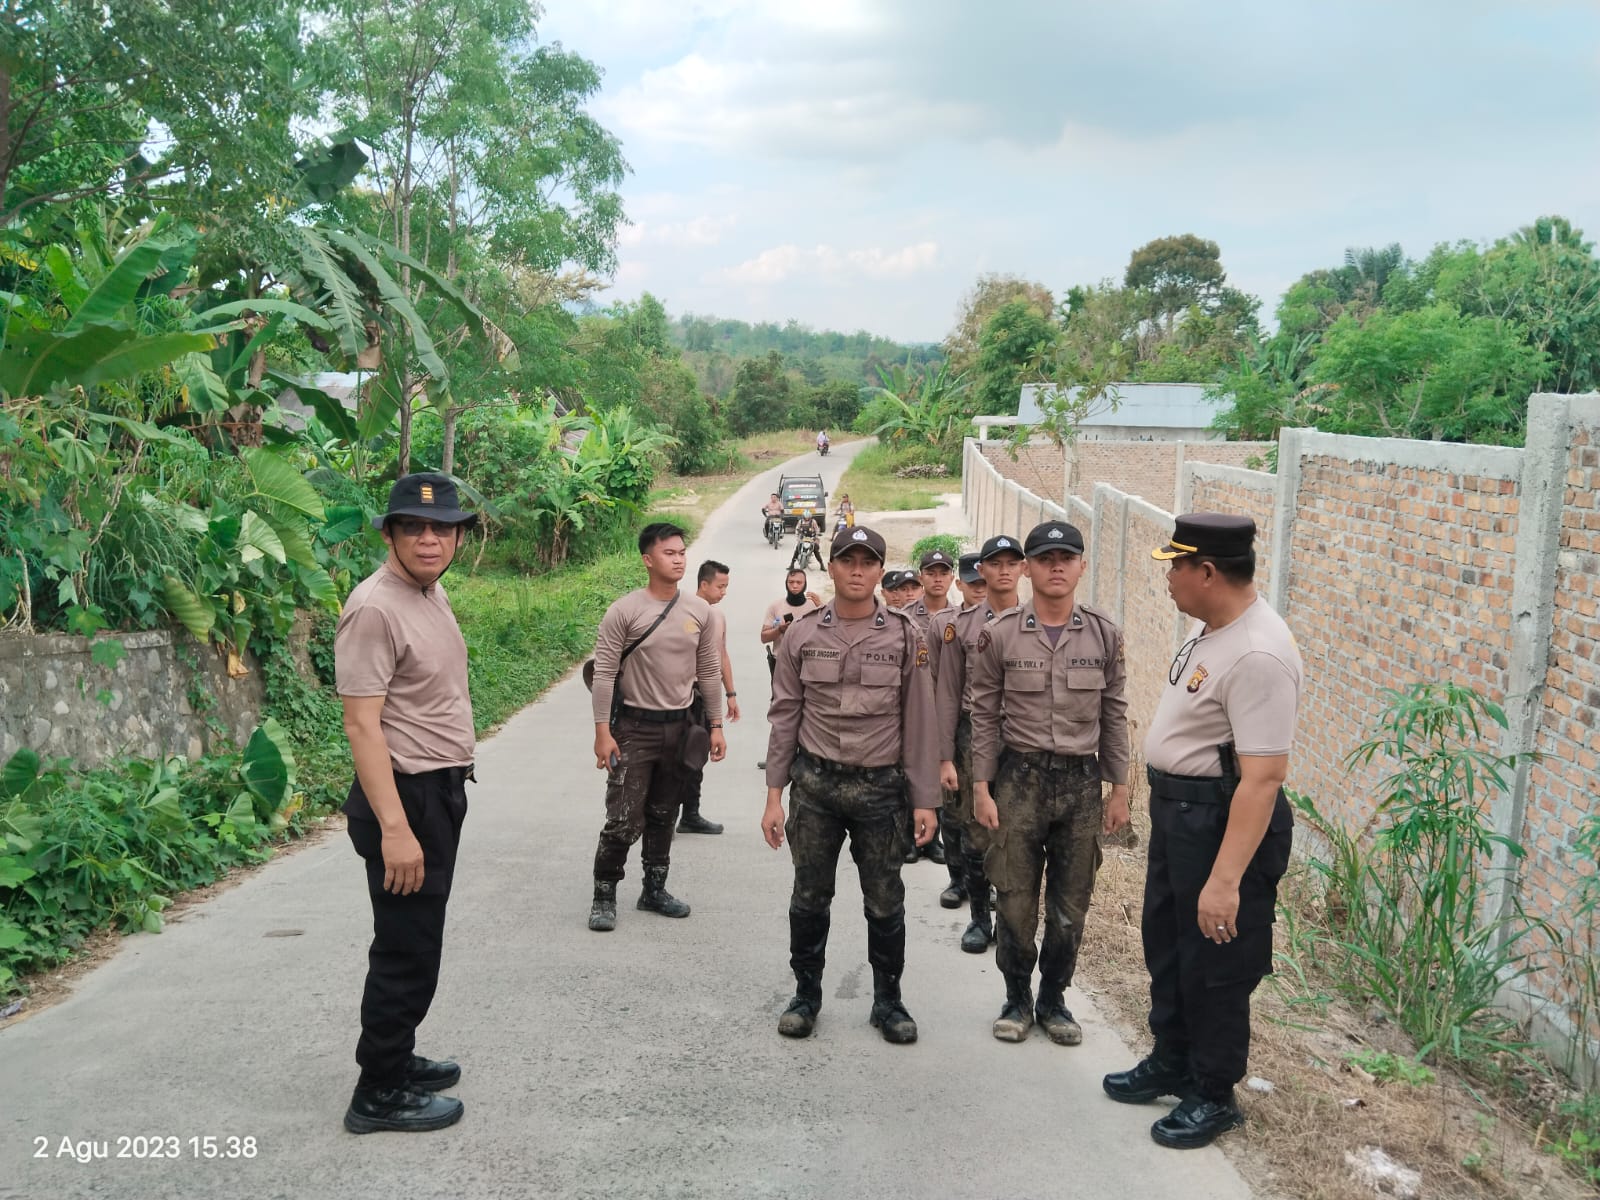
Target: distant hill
<point x="714" y="346"/>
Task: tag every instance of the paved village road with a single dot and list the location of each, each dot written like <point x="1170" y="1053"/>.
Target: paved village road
<point x="641" y="1063"/>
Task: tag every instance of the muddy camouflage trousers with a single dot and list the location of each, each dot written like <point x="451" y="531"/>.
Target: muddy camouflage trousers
<point x="1051" y="808"/>
<point x="829" y="802"/>
<point x="642" y="796"/>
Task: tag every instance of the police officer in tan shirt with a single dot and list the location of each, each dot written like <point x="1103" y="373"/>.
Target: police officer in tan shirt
<point x="853" y="733"/>
<point x="1221" y="828"/>
<point x="675" y="645"/>
<point x="1049" y="725"/>
<point x="401" y="671"/>
<point x="997" y="568"/>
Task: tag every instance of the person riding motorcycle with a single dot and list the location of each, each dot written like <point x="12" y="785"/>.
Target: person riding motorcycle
<point x="809" y="534"/>
<point x="822" y="441"/>
<point x="847" y="511"/>
<point x="771" y="511"/>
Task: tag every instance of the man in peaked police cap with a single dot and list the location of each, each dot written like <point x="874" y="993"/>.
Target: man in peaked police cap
<point x="401" y="669"/>
<point x="853" y="734"/>
<point x="1049" y="726"/>
<point x="1220" y="828"/>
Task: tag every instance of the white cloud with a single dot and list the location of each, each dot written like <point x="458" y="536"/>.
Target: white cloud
<point x="697" y="231"/>
<point x="780" y="263"/>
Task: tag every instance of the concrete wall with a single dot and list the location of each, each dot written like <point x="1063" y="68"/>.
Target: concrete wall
<point x="1151" y="469"/>
<point x="1396" y="561"/>
<point x="56" y="700"/>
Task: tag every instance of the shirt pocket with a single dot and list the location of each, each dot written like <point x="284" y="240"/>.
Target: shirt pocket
<point x="1084" y="685"/>
<point x="819" y="670"/>
<point x="878" y="694"/>
<point x="1028" y="682"/>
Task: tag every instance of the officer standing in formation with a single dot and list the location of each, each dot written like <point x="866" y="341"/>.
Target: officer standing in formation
<point x="952" y="817"/>
<point x="653" y="647"/>
<point x="1049" y="725"/>
<point x="853" y="733"/>
<point x="401" y="672"/>
<point x="1220" y="829"/>
<point x="711" y="585"/>
<point x="999" y="567"/>
<point x="921" y="603"/>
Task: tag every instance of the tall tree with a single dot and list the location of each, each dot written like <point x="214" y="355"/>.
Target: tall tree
<point x="1175" y="274"/>
<point x="478" y="140"/>
<point x="988" y="295"/>
<point x="1016" y="336"/>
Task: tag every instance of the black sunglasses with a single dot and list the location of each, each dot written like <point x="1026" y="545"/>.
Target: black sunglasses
<point x="1180" y="660"/>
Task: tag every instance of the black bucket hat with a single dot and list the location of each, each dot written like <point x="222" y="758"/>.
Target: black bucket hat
<point x="426" y="494"/>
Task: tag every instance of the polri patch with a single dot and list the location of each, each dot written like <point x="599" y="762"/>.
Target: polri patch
<point x="1200" y="676"/>
<point x="922" y="656"/>
<point x="950" y="633"/>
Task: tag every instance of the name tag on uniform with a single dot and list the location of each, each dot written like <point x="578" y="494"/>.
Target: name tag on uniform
<point x="881" y="656"/>
<point x="1026" y="664"/>
<point x="1086" y="662"/>
<point x="821" y="653"/>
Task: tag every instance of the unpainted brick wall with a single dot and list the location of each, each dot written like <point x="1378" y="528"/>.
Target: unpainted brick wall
<point x="1217" y="494"/>
<point x="1396" y="575"/>
<point x="1565" y="779"/>
<point x="1036" y="467"/>
<point x="1150" y="469"/>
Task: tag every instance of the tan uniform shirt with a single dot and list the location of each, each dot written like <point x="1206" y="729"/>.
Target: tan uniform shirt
<point x="779" y="609"/>
<point x="1063" y="699"/>
<point x="855" y="692"/>
<point x="401" y="642"/>
<point x="661" y="673"/>
<point x="956" y="647"/>
<point x="1241" y="684"/>
<point x="941" y="627"/>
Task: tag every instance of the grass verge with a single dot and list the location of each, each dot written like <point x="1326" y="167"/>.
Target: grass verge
<point x="698" y="496"/>
<point x="874" y="486"/>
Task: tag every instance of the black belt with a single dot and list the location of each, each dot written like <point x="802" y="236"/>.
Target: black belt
<point x="1196" y="789"/>
<point x="456" y="775"/>
<point x="829" y="766"/>
<point x="1048" y="761"/>
<point x="655" y="716"/>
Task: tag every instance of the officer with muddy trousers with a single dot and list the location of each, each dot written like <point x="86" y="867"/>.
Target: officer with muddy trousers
<point x="1220" y="829"/>
<point x="993" y="590"/>
<point x="1049" y="729"/>
<point x="853" y="734"/>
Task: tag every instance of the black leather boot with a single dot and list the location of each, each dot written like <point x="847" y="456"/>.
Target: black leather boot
<point x="426" y="1075"/>
<point x="1197" y="1121"/>
<point x="400" y="1110"/>
<point x="1055" y="1018"/>
<point x="886" y="951"/>
<point x="934" y="851"/>
<point x="655" y="897"/>
<point x="979" y="935"/>
<point x="690" y="820"/>
<point x="1016" y="1017"/>
<point x="603" y="912"/>
<point x="1162" y="1073"/>
<point x="808" y="945"/>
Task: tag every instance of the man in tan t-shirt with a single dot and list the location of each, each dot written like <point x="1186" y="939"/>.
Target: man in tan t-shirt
<point x="1220" y="829"/>
<point x="401" y="670"/>
<point x="653" y="648"/>
<point x="711" y="585"/>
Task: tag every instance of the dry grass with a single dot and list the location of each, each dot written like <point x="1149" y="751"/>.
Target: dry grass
<point x="1468" y="1144"/>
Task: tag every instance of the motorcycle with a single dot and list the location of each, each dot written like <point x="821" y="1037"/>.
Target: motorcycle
<point x="822" y="449"/>
<point x="774" y="531"/>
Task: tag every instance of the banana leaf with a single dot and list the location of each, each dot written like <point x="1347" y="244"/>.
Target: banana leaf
<point x="505" y="350"/>
<point x="120" y="286"/>
<point x="395" y="297"/>
<point x="38" y="360"/>
<point x="320" y="265"/>
<point x="264" y="306"/>
<point x="330" y="411"/>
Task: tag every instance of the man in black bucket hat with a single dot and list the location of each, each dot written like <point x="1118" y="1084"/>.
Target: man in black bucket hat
<point x="401" y="668"/>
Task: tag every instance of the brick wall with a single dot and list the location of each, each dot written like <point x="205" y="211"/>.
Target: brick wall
<point x="1149" y="469"/>
<point x="1397" y="561"/>
<point x="1036" y="467"/>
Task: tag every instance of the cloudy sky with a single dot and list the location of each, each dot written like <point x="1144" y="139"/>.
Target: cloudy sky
<point x="858" y="163"/>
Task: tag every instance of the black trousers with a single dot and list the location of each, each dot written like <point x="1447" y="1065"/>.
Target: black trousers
<point x="1200" y="991"/>
<point x="407" y="931"/>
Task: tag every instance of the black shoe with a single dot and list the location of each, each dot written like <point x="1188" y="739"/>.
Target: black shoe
<point x="603" y="912"/>
<point x="1055" y="1018"/>
<point x="934" y="851"/>
<point x="914" y="854"/>
<point x="800" y="1018"/>
<point x="426" y="1075"/>
<point x="894" y="1022"/>
<point x="655" y="897"/>
<point x="401" y="1110"/>
<point x="1150" y="1079"/>
<point x="1197" y="1122"/>
<point x="979" y="935"/>
<point x="695" y="823"/>
<point x="953" y="896"/>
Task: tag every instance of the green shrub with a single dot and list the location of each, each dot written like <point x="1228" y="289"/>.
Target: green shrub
<point x="948" y="542"/>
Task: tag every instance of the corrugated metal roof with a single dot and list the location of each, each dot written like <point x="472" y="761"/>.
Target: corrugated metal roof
<point x="1180" y="405"/>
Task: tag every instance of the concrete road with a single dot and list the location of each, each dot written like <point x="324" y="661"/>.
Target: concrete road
<point x="640" y="1063"/>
